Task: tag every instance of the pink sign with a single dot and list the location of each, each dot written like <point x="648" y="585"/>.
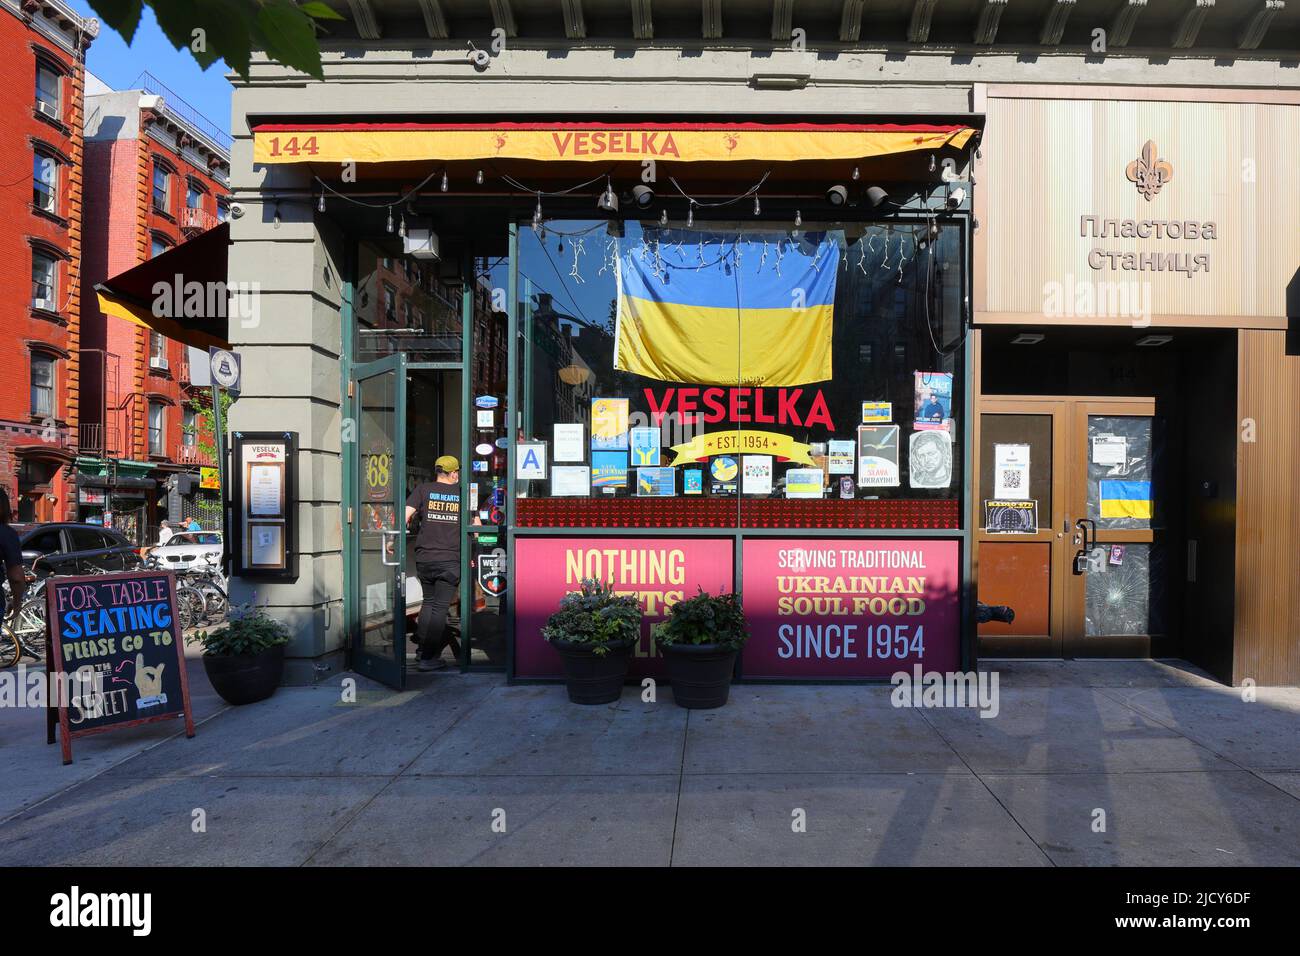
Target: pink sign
<point x="850" y="608"/>
<point x="659" y="571"/>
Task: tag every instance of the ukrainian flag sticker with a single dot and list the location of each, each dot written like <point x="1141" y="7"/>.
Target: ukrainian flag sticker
<point x="1126" y="499"/>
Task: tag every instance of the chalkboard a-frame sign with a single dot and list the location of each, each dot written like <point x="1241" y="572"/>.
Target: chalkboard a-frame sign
<point x="115" y="654"/>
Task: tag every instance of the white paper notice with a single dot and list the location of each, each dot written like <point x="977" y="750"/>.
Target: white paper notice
<point x="570" y="481"/>
<point x="1011" y="472"/>
<point x="264" y="490"/>
<point x="841" y="456"/>
<point x="1110" y="450"/>
<point x="265" y="550"/>
<point x="756" y="474"/>
<point x="569" y="444"/>
<point x="484" y="417"/>
<point x="530" y="460"/>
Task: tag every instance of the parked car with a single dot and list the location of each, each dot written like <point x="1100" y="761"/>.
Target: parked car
<point x="66" y="548"/>
<point x="187" y="549"/>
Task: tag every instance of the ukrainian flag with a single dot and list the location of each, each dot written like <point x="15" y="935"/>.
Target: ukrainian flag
<point x="726" y="309"/>
<point x="1126" y="499"/>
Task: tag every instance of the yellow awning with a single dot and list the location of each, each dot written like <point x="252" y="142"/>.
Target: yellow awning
<point x="596" y="142"/>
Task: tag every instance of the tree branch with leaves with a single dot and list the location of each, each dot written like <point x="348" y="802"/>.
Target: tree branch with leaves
<point x="230" y="30"/>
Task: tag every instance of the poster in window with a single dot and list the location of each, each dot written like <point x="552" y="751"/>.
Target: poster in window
<point x="645" y="446"/>
<point x="530" y="465"/>
<point x="933" y="396"/>
<point x="609" y="469"/>
<point x="929" y="460"/>
<point x="1010" y="472"/>
<point x="568" y="442"/>
<point x="804" y="483"/>
<point x="570" y="481"/>
<point x="692" y="481"/>
<point x="609" y="424"/>
<point x="756" y="474"/>
<point x="1011" y="516"/>
<point x="839" y="457"/>
<point x="656" y="482"/>
<point x="878" y="456"/>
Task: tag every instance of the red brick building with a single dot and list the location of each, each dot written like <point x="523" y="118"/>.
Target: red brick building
<point x="156" y="175"/>
<point x="42" y="73"/>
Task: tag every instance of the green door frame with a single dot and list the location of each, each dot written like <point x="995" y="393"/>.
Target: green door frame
<point x="391" y="671"/>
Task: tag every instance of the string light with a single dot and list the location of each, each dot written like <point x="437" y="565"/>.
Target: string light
<point x="401" y="226"/>
<point x="537" y="214"/>
<point x="690" y="214"/>
<point x="856" y="174"/>
<point x="757" y="208"/>
<point x="390" y="218"/>
<point x="798" y="219"/>
<point x="444" y="180"/>
<point x="478" y="178"/>
<point x="320" y="203"/>
<point x="277" y="215"/>
<point x="663" y="217"/>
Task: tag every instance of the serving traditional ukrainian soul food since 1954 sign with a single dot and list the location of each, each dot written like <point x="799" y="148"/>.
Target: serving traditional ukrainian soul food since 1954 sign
<point x="845" y="608"/>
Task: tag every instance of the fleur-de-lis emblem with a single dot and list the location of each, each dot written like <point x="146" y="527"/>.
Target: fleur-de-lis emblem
<point x="731" y="140"/>
<point x="1149" y="172"/>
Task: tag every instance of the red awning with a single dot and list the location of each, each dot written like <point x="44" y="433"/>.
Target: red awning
<point x="181" y="293"/>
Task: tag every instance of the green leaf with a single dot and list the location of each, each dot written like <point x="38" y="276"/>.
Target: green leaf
<point x="289" y="37"/>
<point x="318" y="11"/>
<point x="122" y="15"/>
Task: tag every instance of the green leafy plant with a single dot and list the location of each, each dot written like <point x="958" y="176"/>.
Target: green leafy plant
<point x="704" y="619"/>
<point x="595" y="615"/>
<point x="230" y="30"/>
<point x="248" y="631"/>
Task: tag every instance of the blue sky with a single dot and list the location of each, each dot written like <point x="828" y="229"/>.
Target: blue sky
<point x="118" y="65"/>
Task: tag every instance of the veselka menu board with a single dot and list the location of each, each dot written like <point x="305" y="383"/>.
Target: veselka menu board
<point x="115" y="658"/>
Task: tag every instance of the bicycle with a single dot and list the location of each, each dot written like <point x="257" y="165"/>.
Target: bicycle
<point x="23" y="631"/>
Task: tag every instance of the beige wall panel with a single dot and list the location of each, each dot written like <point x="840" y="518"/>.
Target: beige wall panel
<point x="1266" y="645"/>
<point x="1049" y="162"/>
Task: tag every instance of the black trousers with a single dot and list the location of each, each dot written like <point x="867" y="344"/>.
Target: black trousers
<point x="438" y="581"/>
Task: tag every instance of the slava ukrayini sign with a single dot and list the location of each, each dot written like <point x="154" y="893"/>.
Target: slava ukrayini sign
<point x="116" y="648"/>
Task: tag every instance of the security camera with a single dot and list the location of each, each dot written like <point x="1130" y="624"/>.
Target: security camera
<point x="236" y="210"/>
<point x="837" y="195"/>
<point x="480" y="58"/>
<point x="956" y="198"/>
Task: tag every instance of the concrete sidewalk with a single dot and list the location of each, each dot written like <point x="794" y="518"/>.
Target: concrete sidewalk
<point x="1184" y="771"/>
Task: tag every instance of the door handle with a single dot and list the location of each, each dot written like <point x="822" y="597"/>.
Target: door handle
<point x="383" y="551"/>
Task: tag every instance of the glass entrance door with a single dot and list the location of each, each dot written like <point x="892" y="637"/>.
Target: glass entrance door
<point x="1117" y="606"/>
<point x="1066" y="481"/>
<point x="378" y="528"/>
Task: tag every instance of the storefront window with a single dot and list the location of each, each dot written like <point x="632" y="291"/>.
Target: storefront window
<point x="404" y="304"/>
<point x="740" y="375"/>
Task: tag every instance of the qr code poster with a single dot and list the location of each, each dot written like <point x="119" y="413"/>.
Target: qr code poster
<point x="1011" y="472"/>
<point x="1011" y="517"/>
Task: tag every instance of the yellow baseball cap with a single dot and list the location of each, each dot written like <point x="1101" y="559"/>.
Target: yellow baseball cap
<point x="447" y="463"/>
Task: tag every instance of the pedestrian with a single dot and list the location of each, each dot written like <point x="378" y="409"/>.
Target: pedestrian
<point x="11" y="555"/>
<point x="436" y="507"/>
<point x="164" y="532"/>
<point x="194" y="525"/>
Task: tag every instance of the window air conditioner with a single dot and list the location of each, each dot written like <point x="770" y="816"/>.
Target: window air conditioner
<point x="49" y="109"/>
<point x="158" y="362"/>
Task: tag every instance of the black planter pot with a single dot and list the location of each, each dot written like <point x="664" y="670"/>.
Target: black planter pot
<point x="245" y="678"/>
<point x="594" y="678"/>
<point x="699" y="673"/>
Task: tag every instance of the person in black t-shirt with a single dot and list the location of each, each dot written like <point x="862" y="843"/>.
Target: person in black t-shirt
<point x="11" y="556"/>
<point x="437" y="554"/>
